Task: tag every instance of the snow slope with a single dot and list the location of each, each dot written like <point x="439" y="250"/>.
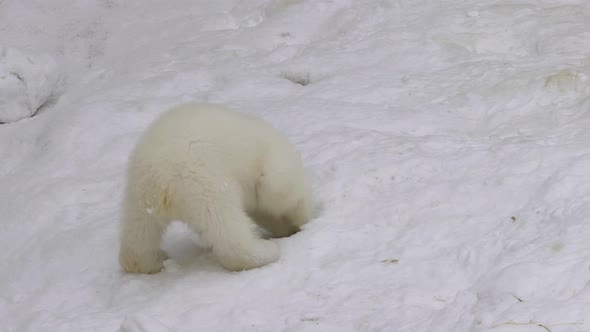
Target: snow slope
<point x="446" y="141"/>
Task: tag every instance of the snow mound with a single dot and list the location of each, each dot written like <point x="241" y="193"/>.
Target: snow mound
<point x="27" y="82"/>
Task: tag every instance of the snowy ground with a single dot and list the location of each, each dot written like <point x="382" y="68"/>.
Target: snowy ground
<point x="447" y="143"/>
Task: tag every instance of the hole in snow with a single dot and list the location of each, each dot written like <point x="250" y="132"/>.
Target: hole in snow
<point x="297" y="78"/>
<point x="46" y="105"/>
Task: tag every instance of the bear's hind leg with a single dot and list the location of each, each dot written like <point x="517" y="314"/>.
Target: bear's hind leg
<point x="141" y="235"/>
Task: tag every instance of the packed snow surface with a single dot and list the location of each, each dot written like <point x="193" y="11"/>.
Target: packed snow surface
<point x="447" y="143"/>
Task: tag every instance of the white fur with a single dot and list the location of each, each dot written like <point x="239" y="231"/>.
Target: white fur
<point x="220" y="172"/>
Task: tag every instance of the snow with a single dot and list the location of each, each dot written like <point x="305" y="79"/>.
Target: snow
<point x="446" y="142"/>
<point x="26" y="84"/>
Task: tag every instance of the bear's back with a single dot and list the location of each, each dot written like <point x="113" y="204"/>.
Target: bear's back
<point x="203" y="138"/>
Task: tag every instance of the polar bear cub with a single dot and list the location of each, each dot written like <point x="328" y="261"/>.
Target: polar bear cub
<point x="220" y="172"/>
